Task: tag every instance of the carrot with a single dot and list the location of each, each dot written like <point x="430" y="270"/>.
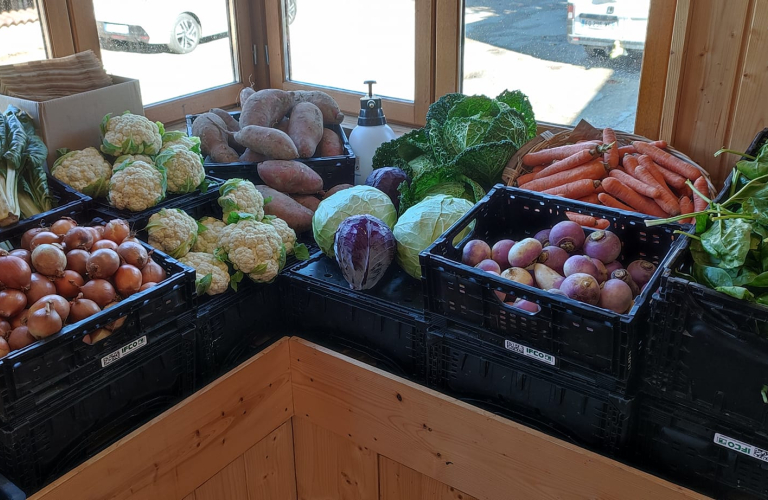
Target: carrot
<point x="600" y="189"/>
<point x="581" y="219"/>
<point x="641" y="187"/>
<point x="631" y="198"/>
<point x="666" y="200"/>
<point x="624" y="150"/>
<point x="672" y="179"/>
<point x="592" y="170"/>
<point x="610" y="201"/>
<point x="666" y="160"/>
<point x="572" y="161"/>
<point x="557" y="153"/>
<point x="525" y="178"/>
<point x="653" y="169"/>
<point x="602" y="223"/>
<point x="684" y="191"/>
<point x="591" y="198"/>
<point x="630" y="163"/>
<point x="574" y="190"/>
<point x="700" y="204"/>
<point x="611" y="156"/>
<point x="538" y="168"/>
<point x="686" y="207"/>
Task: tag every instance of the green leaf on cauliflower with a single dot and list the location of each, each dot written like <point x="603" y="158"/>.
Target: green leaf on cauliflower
<point x="235" y="217"/>
<point x="236" y="279"/>
<point x="205" y="185"/>
<point x="61" y="152"/>
<point x="221" y="255"/>
<point x="267" y="219"/>
<point x="98" y="189"/>
<point x="301" y="251"/>
<point x="282" y="259"/>
<point x="260" y="269"/>
<point x="201" y="228"/>
<point x="203" y="284"/>
<point x="268" y="199"/>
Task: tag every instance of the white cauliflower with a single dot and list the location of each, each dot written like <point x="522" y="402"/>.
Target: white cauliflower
<point x="130" y="134"/>
<point x="212" y="275"/>
<point x="177" y="138"/>
<point x="183" y="167"/>
<point x="239" y="195"/>
<point x="86" y="171"/>
<point x="136" y="186"/>
<point x="122" y="159"/>
<point x="253" y="248"/>
<point x="173" y="231"/>
<point x="287" y="234"/>
<point x="208" y="234"/>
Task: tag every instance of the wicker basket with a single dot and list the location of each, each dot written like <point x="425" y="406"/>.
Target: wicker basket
<point x="547" y="139"/>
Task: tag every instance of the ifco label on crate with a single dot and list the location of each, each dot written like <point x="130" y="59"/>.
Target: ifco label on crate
<point x="124" y="351"/>
<point x="746" y="449"/>
<point x="530" y="352"/>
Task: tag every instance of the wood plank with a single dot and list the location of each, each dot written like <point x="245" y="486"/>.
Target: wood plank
<point x="424" y="60"/>
<point x="330" y="467"/>
<point x="200" y="102"/>
<point x="54" y="17"/>
<point x="85" y="36"/>
<point x="674" y="76"/>
<point x="191" y="496"/>
<point x="448" y="40"/>
<point x="175" y="453"/>
<point x="278" y="73"/>
<point x="653" y="75"/>
<point x="474" y="451"/>
<point x="398" y="482"/>
<point x="228" y="484"/>
<point x="269" y="466"/>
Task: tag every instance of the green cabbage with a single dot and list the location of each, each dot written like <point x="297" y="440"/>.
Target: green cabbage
<point x="424" y="223"/>
<point x="358" y="200"/>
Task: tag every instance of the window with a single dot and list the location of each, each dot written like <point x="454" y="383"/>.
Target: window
<point x="21" y="34"/>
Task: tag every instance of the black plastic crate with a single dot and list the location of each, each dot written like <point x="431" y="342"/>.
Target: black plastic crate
<point x="334" y="170"/>
<point x="700" y="452"/>
<point x="575" y="337"/>
<point x="385" y="324"/>
<point x="58" y="437"/>
<point x="49" y="368"/>
<point x="527" y="392"/>
<point x="760" y="139"/>
<point x="9" y="491"/>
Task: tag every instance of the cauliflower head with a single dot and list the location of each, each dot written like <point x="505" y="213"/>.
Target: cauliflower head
<point x="208" y="234"/>
<point x="86" y="171"/>
<point x="130" y="134"/>
<point x="253" y="248"/>
<point x="183" y="167"/>
<point x="122" y="159"/>
<point x="173" y="231"/>
<point x="136" y="186"/>
<point x="212" y="275"/>
<point x="287" y="234"/>
<point x="240" y="195"/>
<point x="178" y="138"/>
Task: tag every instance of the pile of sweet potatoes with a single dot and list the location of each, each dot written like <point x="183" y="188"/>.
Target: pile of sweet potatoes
<point x="274" y="125"/>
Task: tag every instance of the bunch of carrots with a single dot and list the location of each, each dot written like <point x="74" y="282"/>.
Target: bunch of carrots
<point x="642" y="177"/>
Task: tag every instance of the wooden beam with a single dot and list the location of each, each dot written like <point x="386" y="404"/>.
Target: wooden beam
<point x="82" y="18"/>
<point x="200" y="102"/>
<point x="57" y="31"/>
<point x="674" y="76"/>
<point x="398" y="482"/>
<point x="269" y="466"/>
<point x="448" y="41"/>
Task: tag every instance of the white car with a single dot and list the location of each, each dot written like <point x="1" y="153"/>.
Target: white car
<point x="599" y="25"/>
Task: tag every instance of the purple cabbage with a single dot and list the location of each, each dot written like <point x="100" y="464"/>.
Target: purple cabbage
<point x="388" y="180"/>
<point x="364" y="248"/>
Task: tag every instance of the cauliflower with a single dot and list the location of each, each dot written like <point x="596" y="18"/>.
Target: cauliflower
<point x="122" y="159"/>
<point x="212" y="275"/>
<point x="177" y="138"/>
<point x="239" y="195"/>
<point x="86" y="171"/>
<point x="253" y="248"/>
<point x="208" y="235"/>
<point x="136" y="186"/>
<point x="172" y="231"/>
<point x="130" y="134"/>
<point x="287" y="234"/>
<point x="183" y="167"/>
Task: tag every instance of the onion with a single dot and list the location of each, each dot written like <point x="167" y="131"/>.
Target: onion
<point x="118" y="322"/>
<point x="79" y="237"/>
<point x="49" y="260"/>
<point x="104" y="244"/>
<point x="100" y="291"/>
<point x="14" y="272"/>
<point x="81" y="308"/>
<point x="20" y="338"/>
<point x="59" y="303"/>
<point x="12" y="302"/>
<point x="133" y="253"/>
<point x="68" y="285"/>
<point x="44" y="322"/>
<point x="5" y="328"/>
<point x="96" y="231"/>
<point x="97" y="336"/>
<point x="127" y="280"/>
<point x="153" y="272"/>
<point x="76" y="260"/>
<point x="26" y="238"/>
<point x="102" y="264"/>
<point x="147" y="285"/>
<point x="20" y="319"/>
<point x="116" y="230"/>
<point x="43" y="238"/>
<point x="40" y="287"/>
<point x="63" y="225"/>
<point x="5" y="349"/>
<point x="24" y="255"/>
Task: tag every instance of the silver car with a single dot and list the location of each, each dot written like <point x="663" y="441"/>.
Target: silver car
<point x="600" y="25"/>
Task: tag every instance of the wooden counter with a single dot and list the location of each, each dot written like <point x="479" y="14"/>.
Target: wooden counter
<point x="301" y="422"/>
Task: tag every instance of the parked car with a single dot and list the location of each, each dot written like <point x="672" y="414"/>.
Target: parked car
<point x="599" y="25"/>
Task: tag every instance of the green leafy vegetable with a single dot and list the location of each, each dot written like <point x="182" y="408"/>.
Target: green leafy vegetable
<point x="301" y="251"/>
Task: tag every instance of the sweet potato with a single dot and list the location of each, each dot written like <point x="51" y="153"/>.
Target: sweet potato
<point x="336" y="189"/>
<point x="250" y="157"/>
<point x="298" y="217"/>
<point x="305" y="128"/>
<point x="229" y="121"/>
<point x="267" y="141"/>
<point x="213" y="138"/>
<point x="330" y="144"/>
<point x="332" y="115"/>
<point x="265" y="108"/>
<point x="245" y="94"/>
<point x="306" y="200"/>
<point x="282" y="125"/>
<point x="291" y="177"/>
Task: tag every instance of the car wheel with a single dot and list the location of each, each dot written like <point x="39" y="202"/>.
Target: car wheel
<point x="290" y="10"/>
<point x="185" y="35"/>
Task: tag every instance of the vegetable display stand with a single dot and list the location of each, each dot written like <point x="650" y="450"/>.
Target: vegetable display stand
<point x="579" y="339"/>
<point x="528" y="392"/>
<point x="63" y="433"/>
<point x="334" y="170"/>
<point x="700" y="452"/>
<point x="386" y="324"/>
<point x="708" y="350"/>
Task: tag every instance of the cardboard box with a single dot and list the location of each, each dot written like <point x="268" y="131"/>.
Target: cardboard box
<point x="73" y="121"/>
